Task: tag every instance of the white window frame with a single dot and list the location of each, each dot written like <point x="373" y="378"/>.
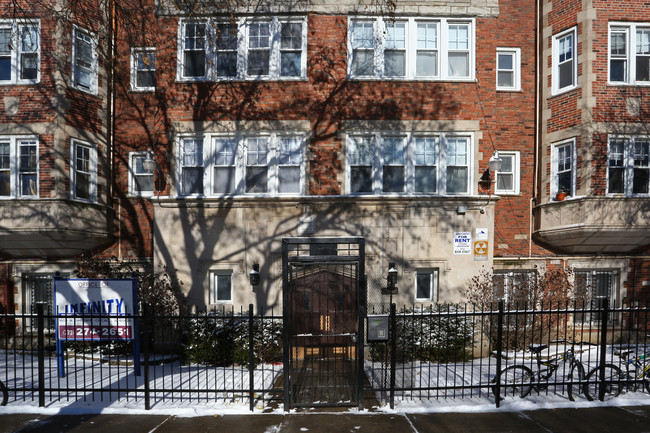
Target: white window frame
<point x="75" y="145"/>
<point x="557" y="63"/>
<point x="628" y="164"/>
<point x="273" y="162"/>
<point x="93" y="67"/>
<point x="17" y="50"/>
<point x="214" y="289"/>
<point x="591" y="299"/>
<point x="630" y="58"/>
<point x="377" y="161"/>
<point x="275" y="48"/>
<point x="442" y="48"/>
<point x="135" y="69"/>
<point x="134" y="174"/>
<point x="515" y="173"/>
<point x="433" y="285"/>
<point x="555" y="169"/>
<point x="12" y="165"/>
<point x="515" y="53"/>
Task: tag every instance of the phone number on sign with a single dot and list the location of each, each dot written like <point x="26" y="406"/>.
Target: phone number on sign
<point x="97" y="332"/>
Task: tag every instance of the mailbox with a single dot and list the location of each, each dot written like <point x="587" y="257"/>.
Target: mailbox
<point x="378" y="328"/>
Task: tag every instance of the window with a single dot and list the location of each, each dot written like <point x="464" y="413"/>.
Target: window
<point x="414" y="164"/>
<point x="563" y="168"/>
<point x="221" y="286"/>
<point x="593" y="288"/>
<point x="507" y="179"/>
<point x="228" y="164"/>
<point x="84" y="171"/>
<point x="20" y="52"/>
<point x="629" y="53"/>
<point x="143" y="69"/>
<point x="514" y="287"/>
<point x="565" y="65"/>
<point x="410" y="48"/>
<point x="18" y="167"/>
<point x="272" y="48"/>
<point x="628" y="166"/>
<point x="84" y="61"/>
<point x="508" y="69"/>
<point x="426" y="285"/>
<point x="140" y="182"/>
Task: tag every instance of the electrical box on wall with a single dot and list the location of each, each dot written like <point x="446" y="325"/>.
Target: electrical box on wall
<point x="377" y="328"/>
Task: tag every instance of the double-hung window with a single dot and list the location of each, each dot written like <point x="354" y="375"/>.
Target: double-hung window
<point x="20" y="52"/>
<point x="84" y="60"/>
<point x="143" y="69"/>
<point x="426" y="285"/>
<point x="565" y="64"/>
<point x="140" y="181"/>
<point x="389" y="163"/>
<point x="84" y="171"/>
<point x="628" y="166"/>
<point x="629" y="53"/>
<point x="411" y="48"/>
<point x="595" y="289"/>
<point x="563" y="168"/>
<point x="514" y="287"/>
<point x="273" y="48"/>
<point x="18" y="167"/>
<point x="508" y="69"/>
<point x="230" y="164"/>
<point x="507" y="179"/>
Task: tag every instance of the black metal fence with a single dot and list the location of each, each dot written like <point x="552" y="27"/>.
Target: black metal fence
<point x="428" y="354"/>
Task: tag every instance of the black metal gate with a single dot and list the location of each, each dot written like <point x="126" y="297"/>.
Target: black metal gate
<point x="323" y="309"/>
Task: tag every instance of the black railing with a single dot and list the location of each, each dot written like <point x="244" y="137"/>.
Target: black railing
<point x="431" y="353"/>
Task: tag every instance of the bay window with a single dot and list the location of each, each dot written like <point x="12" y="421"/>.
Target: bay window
<point x="411" y="48"/>
<point x="84" y="61"/>
<point x="563" y="168"/>
<point x="628" y="166"/>
<point x="20" y="52"/>
<point x="565" y="64"/>
<point x="18" y="167"/>
<point x="83" y="171"/>
<point x="629" y="53"/>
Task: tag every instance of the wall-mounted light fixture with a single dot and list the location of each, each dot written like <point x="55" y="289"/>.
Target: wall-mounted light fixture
<point x="391" y="280"/>
<point x="485" y="183"/>
<point x="254" y="275"/>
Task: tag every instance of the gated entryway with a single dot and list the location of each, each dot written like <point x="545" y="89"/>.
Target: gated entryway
<point x="324" y="306"/>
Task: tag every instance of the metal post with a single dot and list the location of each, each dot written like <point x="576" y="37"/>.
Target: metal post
<point x="393" y="354"/>
<point x="497" y="397"/>
<point x="251" y="359"/>
<point x="40" y="323"/>
<point x="603" y="347"/>
<point x="145" y="340"/>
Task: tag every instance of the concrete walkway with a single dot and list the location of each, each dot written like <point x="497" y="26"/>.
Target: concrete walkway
<point x="634" y="419"/>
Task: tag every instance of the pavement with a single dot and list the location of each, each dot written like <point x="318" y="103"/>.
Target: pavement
<point x="631" y="419"/>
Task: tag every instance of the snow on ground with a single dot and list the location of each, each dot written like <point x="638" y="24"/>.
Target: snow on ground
<point x="107" y="383"/>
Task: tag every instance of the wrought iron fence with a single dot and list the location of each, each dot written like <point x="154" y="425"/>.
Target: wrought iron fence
<point x="427" y="353"/>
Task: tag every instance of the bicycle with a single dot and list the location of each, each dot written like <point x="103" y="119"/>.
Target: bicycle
<point x="615" y="380"/>
<point x="520" y="379"/>
<point x="5" y="394"/>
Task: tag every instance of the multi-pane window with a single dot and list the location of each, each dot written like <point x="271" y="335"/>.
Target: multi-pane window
<point x="594" y="289"/>
<point x="410" y="48"/>
<point x="426" y="285"/>
<point x="507" y="179"/>
<point x="508" y="69"/>
<point x="221" y="286"/>
<point x="628" y="166"/>
<point x="84" y="61"/>
<point x="140" y="181"/>
<point x="514" y="287"/>
<point x="20" y="52"/>
<point x="143" y="69"/>
<point x="18" y="167"/>
<point x="414" y="164"/>
<point x="565" y="65"/>
<point x="563" y="168"/>
<point x="84" y="171"/>
<point x="629" y="53"/>
<point x="271" y="48"/>
<point x="228" y="164"/>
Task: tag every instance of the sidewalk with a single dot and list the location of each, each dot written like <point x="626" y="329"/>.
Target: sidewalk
<point x="632" y="419"/>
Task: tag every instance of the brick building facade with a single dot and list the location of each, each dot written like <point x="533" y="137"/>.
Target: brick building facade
<point x="325" y="119"/>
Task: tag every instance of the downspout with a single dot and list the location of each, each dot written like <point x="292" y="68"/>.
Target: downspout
<point x="538" y="123"/>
